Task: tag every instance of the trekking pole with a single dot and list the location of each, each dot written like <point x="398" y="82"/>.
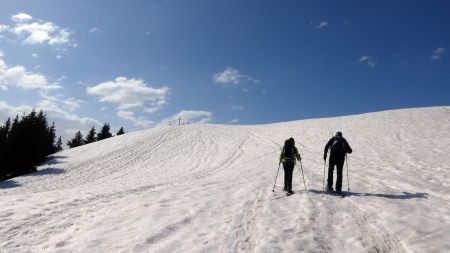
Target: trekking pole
<point x="348" y="180"/>
<point x="273" y="189"/>
<point x="323" y="182"/>
<point x="301" y="167"/>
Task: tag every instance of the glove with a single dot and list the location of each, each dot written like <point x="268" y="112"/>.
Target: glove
<point x="325" y="157"/>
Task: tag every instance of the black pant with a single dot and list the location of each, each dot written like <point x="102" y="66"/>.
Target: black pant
<point x="338" y="161"/>
<point x="288" y="170"/>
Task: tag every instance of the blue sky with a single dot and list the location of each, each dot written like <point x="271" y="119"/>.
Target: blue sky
<point x="141" y="64"/>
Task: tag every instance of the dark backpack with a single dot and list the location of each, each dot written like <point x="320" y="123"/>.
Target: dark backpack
<point x="338" y="145"/>
<point x="289" y="153"/>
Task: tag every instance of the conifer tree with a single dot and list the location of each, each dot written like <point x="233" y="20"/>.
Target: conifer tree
<point x="4" y="130"/>
<point x="91" y="136"/>
<point x="58" y="145"/>
<point x="104" y="132"/>
<point x="76" y="141"/>
<point x="121" y="131"/>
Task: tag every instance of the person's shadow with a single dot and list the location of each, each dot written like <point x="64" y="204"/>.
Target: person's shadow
<point x="402" y="195"/>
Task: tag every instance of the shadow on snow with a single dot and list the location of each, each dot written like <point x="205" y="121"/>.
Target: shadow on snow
<point x="403" y="195"/>
<point x="53" y="159"/>
<point x="44" y="172"/>
<point x="9" y="184"/>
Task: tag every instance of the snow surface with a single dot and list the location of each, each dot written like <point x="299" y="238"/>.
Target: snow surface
<point x="208" y="188"/>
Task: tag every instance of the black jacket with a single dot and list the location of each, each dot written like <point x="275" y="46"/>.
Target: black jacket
<point x="348" y="149"/>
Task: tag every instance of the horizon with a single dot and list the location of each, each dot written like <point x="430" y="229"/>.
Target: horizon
<point x="144" y="64"/>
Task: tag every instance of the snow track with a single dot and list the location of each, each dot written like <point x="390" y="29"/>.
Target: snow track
<point x="207" y="188"/>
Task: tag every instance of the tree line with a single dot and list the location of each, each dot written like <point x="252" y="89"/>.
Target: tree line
<point x="92" y="136"/>
<point x="28" y="140"/>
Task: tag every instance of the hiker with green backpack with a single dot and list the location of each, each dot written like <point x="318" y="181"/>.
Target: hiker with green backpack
<point x="289" y="155"/>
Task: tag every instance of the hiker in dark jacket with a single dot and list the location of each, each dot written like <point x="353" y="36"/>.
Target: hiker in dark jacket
<point x="288" y="157"/>
<point x="338" y="149"/>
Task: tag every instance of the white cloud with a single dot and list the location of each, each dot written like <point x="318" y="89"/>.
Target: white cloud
<point x="3" y="28"/>
<point x="367" y="60"/>
<point x="58" y="56"/>
<point x="34" y="55"/>
<point x="137" y="121"/>
<point x="188" y="117"/>
<point x="18" y="76"/>
<point x="130" y="93"/>
<point x="40" y="32"/>
<point x="237" y="108"/>
<point x="70" y="104"/>
<point x="322" y="24"/>
<point x="244" y="90"/>
<point x="21" y="17"/>
<point x="234" y="121"/>
<point x="437" y="54"/>
<point x="318" y="25"/>
<point x="227" y="76"/>
<point x="95" y="30"/>
<point x="232" y="76"/>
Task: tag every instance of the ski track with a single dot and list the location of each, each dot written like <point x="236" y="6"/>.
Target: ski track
<point x="207" y="188"/>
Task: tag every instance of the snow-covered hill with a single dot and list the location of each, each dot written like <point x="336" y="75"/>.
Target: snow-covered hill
<point x="207" y="188"/>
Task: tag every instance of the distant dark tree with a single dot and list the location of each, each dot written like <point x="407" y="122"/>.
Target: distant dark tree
<point x="58" y="145"/>
<point x="25" y="143"/>
<point x="91" y="136"/>
<point x="104" y="132"/>
<point x="76" y="141"/>
<point x="4" y="130"/>
<point x="50" y="140"/>
<point x="121" y="131"/>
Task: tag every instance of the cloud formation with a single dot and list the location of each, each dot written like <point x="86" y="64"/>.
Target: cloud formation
<point x="21" y="17"/>
<point x="3" y="28"/>
<point x="18" y="76"/>
<point x="131" y="95"/>
<point x="187" y="117"/>
<point x="95" y="30"/>
<point x="38" y="32"/>
<point x="231" y="76"/>
<point x="367" y="60"/>
<point x="318" y="25"/>
<point x="137" y="121"/>
<point x="437" y="54"/>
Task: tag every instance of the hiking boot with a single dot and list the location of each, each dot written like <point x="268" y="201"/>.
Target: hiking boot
<point x="330" y="189"/>
<point x="290" y="191"/>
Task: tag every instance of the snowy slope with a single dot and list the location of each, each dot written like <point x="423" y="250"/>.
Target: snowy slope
<point x="207" y="188"/>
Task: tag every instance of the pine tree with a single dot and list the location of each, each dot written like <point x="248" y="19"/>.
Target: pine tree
<point x="76" y="141"/>
<point x="91" y="136"/>
<point x="121" y="131"/>
<point x="58" y="145"/>
<point x="104" y="133"/>
<point x="50" y="140"/>
<point x="4" y="130"/>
